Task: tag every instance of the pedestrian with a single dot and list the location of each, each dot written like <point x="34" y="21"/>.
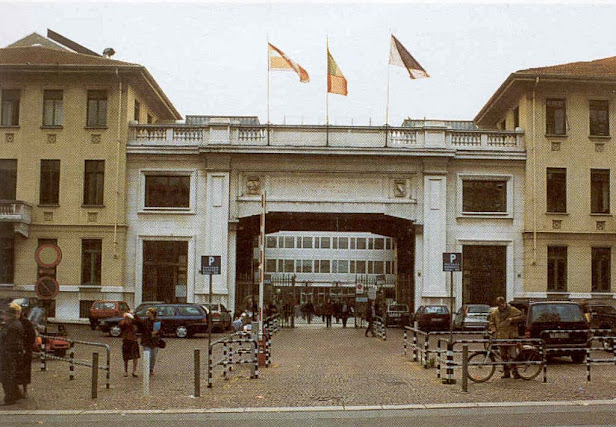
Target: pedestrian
<point x="344" y="313"/>
<point x="337" y="310"/>
<point x="328" y="309"/>
<point x="370" y="317"/>
<point x="11" y="355"/>
<point x="130" y="346"/>
<point x="25" y="376"/>
<point x="503" y="323"/>
<point x="150" y="336"/>
<point x="309" y="311"/>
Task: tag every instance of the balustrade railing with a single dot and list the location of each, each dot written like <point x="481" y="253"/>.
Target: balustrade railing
<point x="15" y="211"/>
<point x="333" y="136"/>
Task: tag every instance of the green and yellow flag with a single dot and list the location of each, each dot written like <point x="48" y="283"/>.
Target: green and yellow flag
<point x="336" y="83"/>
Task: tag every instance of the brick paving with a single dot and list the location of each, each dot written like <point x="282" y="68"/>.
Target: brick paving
<point x="312" y="366"/>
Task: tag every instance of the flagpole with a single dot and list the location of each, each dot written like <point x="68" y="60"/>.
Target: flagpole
<point x="387" y="106"/>
<point x="327" y="92"/>
<point x="268" y="91"/>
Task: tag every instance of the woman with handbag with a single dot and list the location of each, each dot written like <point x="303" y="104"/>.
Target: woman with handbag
<point x="130" y="346"/>
<point x="150" y="336"/>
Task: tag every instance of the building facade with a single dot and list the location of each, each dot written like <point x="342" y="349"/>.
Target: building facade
<point x="64" y="120"/>
<point x="431" y="187"/>
<point x="566" y="112"/>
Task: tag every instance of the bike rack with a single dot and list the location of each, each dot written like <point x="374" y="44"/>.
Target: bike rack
<point x="422" y="353"/>
<point x="230" y="353"/>
<point x="591" y="361"/>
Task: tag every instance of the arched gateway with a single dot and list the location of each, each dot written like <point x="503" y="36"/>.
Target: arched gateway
<point x="426" y="188"/>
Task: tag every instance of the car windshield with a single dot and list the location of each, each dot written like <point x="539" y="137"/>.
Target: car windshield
<point x="436" y="309"/>
<point x="556" y="313"/>
<point x="398" y="307"/>
<point x="478" y="309"/>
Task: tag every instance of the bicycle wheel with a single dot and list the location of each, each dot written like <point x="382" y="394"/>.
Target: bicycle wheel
<point x="530" y="371"/>
<point x="478" y="372"/>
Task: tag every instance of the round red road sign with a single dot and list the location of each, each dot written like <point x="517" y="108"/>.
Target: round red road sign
<point x="48" y="255"/>
<point x="46" y="287"/>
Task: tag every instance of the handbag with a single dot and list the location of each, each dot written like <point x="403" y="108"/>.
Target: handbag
<point x="162" y="343"/>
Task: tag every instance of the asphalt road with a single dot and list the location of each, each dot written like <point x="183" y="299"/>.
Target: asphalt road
<point x="529" y="415"/>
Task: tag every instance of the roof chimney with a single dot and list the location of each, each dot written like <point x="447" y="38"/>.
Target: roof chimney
<point x="109" y="52"/>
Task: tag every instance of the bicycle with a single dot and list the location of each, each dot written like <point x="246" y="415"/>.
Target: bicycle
<point x="482" y="364"/>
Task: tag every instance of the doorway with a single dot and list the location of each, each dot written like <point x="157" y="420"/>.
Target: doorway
<point x="164" y="271"/>
<point x="484" y="273"/>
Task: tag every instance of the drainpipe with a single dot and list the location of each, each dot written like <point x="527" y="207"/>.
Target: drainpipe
<point x="534" y="262"/>
<point x="117" y="184"/>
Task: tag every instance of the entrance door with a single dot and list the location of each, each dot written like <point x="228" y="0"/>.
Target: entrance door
<point x="485" y="273"/>
<point x="164" y="271"/>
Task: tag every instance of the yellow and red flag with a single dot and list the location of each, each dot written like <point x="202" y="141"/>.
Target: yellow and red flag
<point x="336" y="83"/>
<point x="281" y="62"/>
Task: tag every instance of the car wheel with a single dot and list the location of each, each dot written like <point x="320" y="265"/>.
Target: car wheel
<point x="60" y="352"/>
<point x="578" y="357"/>
<point x="115" y="331"/>
<point x="93" y="324"/>
<point x="181" y="332"/>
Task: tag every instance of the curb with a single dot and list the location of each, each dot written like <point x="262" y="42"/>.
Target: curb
<point x="310" y="408"/>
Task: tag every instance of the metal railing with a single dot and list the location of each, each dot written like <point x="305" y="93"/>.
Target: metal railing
<point x="421" y="351"/>
<point x="234" y="353"/>
<point x="593" y="361"/>
<point x="44" y="355"/>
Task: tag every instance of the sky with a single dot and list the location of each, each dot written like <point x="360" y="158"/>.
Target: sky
<point x="211" y="58"/>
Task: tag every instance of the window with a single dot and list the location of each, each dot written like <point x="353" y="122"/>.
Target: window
<point x="516" y="117"/>
<point x="484" y="196"/>
<point x="360" y="267"/>
<point x="8" y="178"/>
<point x="379" y="244"/>
<point x="557" y="268"/>
<point x="324" y="266"/>
<point x="289" y="242"/>
<point x="600" y="191"/>
<point x="325" y="243"/>
<point x="97" y="108"/>
<point x="270" y="242"/>
<point x="49" y="193"/>
<point x="52" y="107"/>
<point x="306" y="265"/>
<point x="94" y="182"/>
<point x="601" y="268"/>
<point x="343" y="243"/>
<point x="7" y="253"/>
<point x="343" y="266"/>
<point x="136" y="111"/>
<point x="304" y="242"/>
<point x="555" y="117"/>
<point x="378" y="267"/>
<point x="361" y="243"/>
<point x="10" y="107"/>
<point x="599" y="118"/>
<point x="556" y="189"/>
<point x="270" y="265"/>
<point x="91" y="261"/>
<point x="167" y="191"/>
<point x="189" y="311"/>
<point x="288" y="265"/>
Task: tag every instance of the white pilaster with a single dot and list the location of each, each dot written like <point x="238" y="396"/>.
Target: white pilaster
<point x="434" y="236"/>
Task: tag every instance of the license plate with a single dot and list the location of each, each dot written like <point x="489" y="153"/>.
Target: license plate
<point x="395" y="315"/>
<point x="436" y="320"/>
<point x="559" y="334"/>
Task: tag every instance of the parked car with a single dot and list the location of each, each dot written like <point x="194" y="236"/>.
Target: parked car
<point x="472" y="317"/>
<point x="110" y="325"/>
<point x="221" y="317"/>
<point x="57" y="343"/>
<point x="397" y="314"/>
<point x="432" y="318"/>
<point x="564" y="315"/>
<point x="106" y="309"/>
<point x="180" y="319"/>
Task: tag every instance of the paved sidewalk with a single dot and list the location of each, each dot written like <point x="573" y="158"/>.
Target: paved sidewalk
<point x="312" y="366"/>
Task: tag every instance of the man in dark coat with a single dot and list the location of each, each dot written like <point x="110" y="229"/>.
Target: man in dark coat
<point x="29" y="338"/>
<point x="11" y="355"/>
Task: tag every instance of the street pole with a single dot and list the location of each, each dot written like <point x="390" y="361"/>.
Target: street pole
<point x="293" y="302"/>
<point x="451" y="306"/>
<point x="209" y="320"/>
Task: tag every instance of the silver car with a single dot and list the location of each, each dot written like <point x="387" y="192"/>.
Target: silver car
<point x="472" y="317"/>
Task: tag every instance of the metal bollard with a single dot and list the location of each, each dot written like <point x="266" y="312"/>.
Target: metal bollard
<point x="146" y="373"/>
<point x="71" y="366"/>
<point x="404" y="346"/>
<point x="544" y="359"/>
<point x="588" y="363"/>
<point x="414" y="346"/>
<point x="465" y="367"/>
<point x="438" y="358"/>
<point x="450" y="379"/>
<point x="94" y="375"/>
<point x="209" y="367"/>
<point x="224" y="361"/>
<point x="43" y="355"/>
<point x="197" y="364"/>
<point x="426" y="350"/>
<point x="108" y="369"/>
